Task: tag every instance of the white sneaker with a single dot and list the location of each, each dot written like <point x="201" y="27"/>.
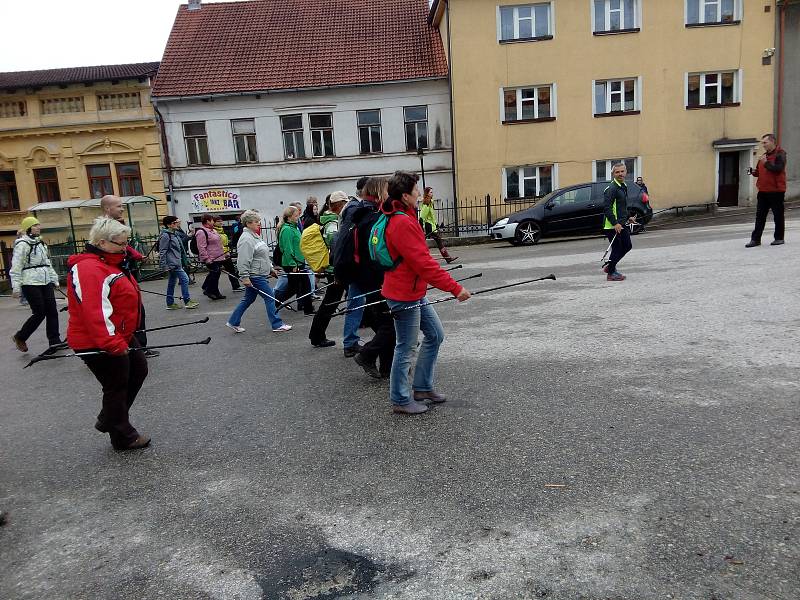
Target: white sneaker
<point x="236" y="328"/>
<point x="283" y="327"/>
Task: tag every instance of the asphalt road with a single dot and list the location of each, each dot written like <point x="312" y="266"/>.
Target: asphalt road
<point x="623" y="441"/>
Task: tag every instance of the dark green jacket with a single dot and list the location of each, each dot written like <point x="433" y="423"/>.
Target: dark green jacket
<point x="615" y="204"/>
<point x="289" y="241"/>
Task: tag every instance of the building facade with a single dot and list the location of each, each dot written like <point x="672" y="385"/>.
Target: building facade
<point x="788" y="90"/>
<point x="549" y="94"/>
<point x="293" y="117"/>
<point x="76" y="134"/>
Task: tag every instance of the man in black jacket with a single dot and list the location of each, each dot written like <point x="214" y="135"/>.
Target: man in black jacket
<point x="615" y="209"/>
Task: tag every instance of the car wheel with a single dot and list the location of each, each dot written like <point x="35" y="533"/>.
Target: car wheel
<point x="527" y="234"/>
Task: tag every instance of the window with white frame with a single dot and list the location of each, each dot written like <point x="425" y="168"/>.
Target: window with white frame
<point x="526" y="22"/>
<point x="196" y="143"/>
<point x="369" y="131"/>
<point x="244" y="140"/>
<point x="615" y="15"/>
<point x="712" y="89"/>
<point x="528" y="182"/>
<point x="523" y="104"/>
<point x="616" y="96"/>
<point x="321" y="125"/>
<point x="416" y="119"/>
<point x="711" y="12"/>
<point x="602" y="168"/>
<point x="292" y="130"/>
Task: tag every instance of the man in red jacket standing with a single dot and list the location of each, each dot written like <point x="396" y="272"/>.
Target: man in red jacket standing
<point x="404" y="289"/>
<point x="771" y="184"/>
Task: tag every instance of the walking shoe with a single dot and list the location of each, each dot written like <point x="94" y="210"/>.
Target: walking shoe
<point x="752" y="243"/>
<point x="152" y="353"/>
<point x="369" y="369"/>
<point x="239" y="289"/>
<point x="236" y="328"/>
<point x="616" y="276"/>
<point x="605" y="268"/>
<point x="192" y="304"/>
<point x="776" y="243"/>
<point x="214" y="296"/>
<point x="316" y="297"/>
<point x="174" y="306"/>
<point x="412" y="408"/>
<point x="100" y="426"/>
<point x="351" y="351"/>
<point x="140" y="442"/>
<point x="283" y="327"/>
<point x="450" y="259"/>
<point x="310" y="313"/>
<point x="326" y="343"/>
<point x="432" y="396"/>
<point x="21" y="346"/>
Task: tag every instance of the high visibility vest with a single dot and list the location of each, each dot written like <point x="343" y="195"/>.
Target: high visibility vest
<point x="606" y="223"/>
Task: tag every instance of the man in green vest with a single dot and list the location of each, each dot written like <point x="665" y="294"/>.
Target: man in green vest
<point x="615" y="209"/>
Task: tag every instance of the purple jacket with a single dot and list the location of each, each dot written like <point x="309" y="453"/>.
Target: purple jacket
<point x="209" y="245"/>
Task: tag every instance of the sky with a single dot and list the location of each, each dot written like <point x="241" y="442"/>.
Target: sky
<point x="50" y="34"/>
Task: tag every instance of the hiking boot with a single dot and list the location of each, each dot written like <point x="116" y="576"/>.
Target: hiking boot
<point x="752" y="244"/>
<point x="191" y="304"/>
<point x="369" y="369"/>
<point x="351" y="351"/>
<point x="236" y="328"/>
<point x="326" y="343"/>
<point x="21" y="346"/>
<point x="283" y="327"/>
<point x="777" y="243"/>
<point x="431" y="396"/>
<point x="140" y="442"/>
<point x="412" y="408"/>
<point x="174" y="306"/>
<point x="615" y="276"/>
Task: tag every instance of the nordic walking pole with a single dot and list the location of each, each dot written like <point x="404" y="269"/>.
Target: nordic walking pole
<point x="203" y="320"/>
<point x="154" y="293"/>
<point x="378" y="290"/>
<point x="204" y="342"/>
<point x="430" y="287"/>
<point x="487" y="290"/>
<point x="265" y="294"/>
<point x="298" y="298"/>
<point x="609" y="248"/>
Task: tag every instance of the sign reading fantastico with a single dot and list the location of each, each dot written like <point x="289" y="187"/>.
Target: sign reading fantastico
<point x="216" y="199"/>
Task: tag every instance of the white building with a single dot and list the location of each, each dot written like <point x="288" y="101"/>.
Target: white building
<point x="261" y="117"/>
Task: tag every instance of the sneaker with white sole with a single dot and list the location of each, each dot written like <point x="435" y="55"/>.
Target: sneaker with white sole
<point x="283" y="327"/>
<point x="174" y="306"/>
<point x="236" y="328"/>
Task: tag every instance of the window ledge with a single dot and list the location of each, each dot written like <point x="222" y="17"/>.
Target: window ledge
<point x="617" y="31"/>
<point x="618" y="113"/>
<point x="526" y="199"/>
<point x="541" y="38"/>
<point x="537" y="120"/>
<point x="723" y="105"/>
<point x="714" y="24"/>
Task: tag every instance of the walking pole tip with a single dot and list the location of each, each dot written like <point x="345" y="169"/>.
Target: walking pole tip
<point x="206" y="341"/>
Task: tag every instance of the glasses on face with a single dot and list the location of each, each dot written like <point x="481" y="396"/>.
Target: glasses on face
<point x="118" y="244"/>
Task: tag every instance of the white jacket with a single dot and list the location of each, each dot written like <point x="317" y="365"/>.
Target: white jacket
<point x="30" y="264"/>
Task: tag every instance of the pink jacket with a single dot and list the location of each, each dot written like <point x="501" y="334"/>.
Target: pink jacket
<point x="209" y="245"/>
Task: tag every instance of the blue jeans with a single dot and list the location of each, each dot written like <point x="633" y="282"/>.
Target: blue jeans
<point x="250" y="296"/>
<point x="281" y="284"/>
<point x="352" y="320"/>
<point x="177" y="275"/>
<point x="407" y="325"/>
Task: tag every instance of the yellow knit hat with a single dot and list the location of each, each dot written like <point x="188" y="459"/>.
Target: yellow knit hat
<point x="27" y="223"/>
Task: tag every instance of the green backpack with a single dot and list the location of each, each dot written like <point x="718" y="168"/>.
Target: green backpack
<point x="378" y="251"/>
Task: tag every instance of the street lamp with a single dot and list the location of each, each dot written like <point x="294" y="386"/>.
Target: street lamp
<point x="421" y="154"/>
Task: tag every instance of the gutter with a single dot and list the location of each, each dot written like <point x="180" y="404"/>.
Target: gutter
<point x="779" y="107"/>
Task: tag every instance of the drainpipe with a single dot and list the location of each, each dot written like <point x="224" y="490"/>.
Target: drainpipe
<point x="779" y="126"/>
<point x="452" y="115"/>
<point x="165" y="153"/>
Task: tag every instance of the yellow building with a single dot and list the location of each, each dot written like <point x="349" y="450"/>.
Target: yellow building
<point x="76" y="133"/>
<point x="548" y="94"/>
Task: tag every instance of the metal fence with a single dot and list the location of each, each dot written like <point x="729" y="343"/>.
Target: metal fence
<point x="474" y="217"/>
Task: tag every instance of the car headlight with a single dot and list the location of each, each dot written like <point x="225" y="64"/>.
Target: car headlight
<point x="501" y="223"/>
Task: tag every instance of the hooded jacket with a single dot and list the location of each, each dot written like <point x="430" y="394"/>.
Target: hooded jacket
<point x="30" y="264"/>
<point x="171" y="253"/>
<point x="209" y="245"/>
<point x="289" y="241"/>
<point x="427" y="215"/>
<point x="771" y="171"/>
<point x="404" y="239"/>
<point x="252" y="255"/>
<point x="104" y="302"/>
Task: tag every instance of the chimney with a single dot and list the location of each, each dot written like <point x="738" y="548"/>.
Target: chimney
<point x="194" y="5"/>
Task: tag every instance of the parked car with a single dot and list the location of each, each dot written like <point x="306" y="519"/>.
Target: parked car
<point x="577" y="209"/>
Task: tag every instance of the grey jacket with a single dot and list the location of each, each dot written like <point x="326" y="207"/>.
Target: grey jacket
<point x="252" y="255"/>
<point x="170" y="250"/>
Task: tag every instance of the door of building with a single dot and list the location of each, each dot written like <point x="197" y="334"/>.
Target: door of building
<point x="728" y="193"/>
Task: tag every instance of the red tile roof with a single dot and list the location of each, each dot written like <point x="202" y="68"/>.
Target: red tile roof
<point x="264" y="45"/>
<point x="27" y="79"/>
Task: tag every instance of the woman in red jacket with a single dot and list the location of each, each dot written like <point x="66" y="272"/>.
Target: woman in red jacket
<point x="404" y="288"/>
<point x="104" y="314"/>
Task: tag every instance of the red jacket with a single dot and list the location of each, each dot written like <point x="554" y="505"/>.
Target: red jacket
<point x="771" y="172"/>
<point x="405" y="238"/>
<point x="104" y="302"/>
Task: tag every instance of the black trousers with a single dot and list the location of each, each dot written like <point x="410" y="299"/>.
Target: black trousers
<point x="381" y="346"/>
<point x="298" y="285"/>
<point x="619" y="247"/>
<point x="121" y="378"/>
<point x="42" y="302"/>
<point x="228" y="265"/>
<point x="769" y="201"/>
<point x="333" y="293"/>
<point x="141" y="337"/>
<point x="211" y="282"/>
